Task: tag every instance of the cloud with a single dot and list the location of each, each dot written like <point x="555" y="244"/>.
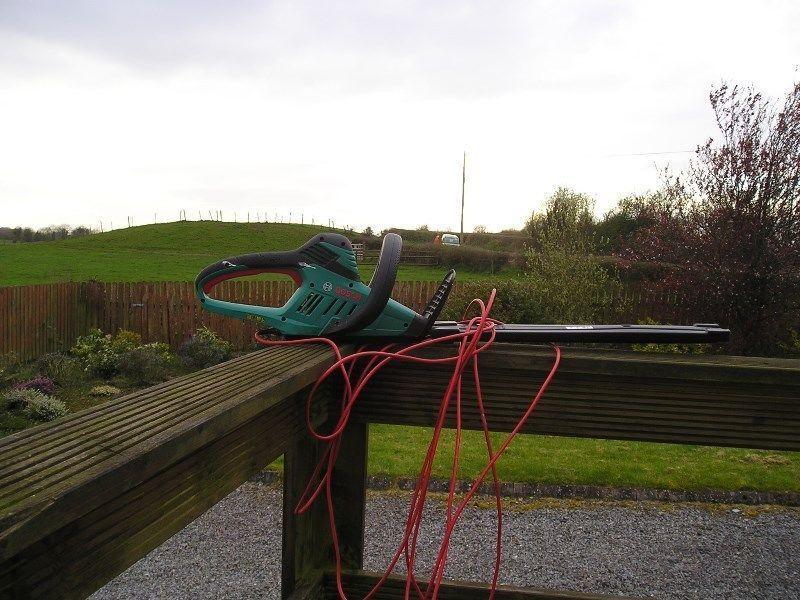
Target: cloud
<point x="358" y="108"/>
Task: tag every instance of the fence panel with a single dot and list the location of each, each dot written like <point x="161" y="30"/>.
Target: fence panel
<point x="43" y="318"/>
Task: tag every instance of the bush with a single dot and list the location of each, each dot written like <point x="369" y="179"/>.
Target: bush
<point x="582" y="294"/>
<point x="669" y="348"/>
<point x="45" y="408"/>
<point x="472" y="257"/>
<point x="9" y="368"/>
<point x="35" y="404"/>
<point x="104" y="390"/>
<point x="568" y="215"/>
<point x="65" y="370"/>
<point x="791" y="346"/>
<point x="514" y="242"/>
<point x="205" y="348"/>
<point x="515" y="302"/>
<point x="147" y="364"/>
<point x="569" y="285"/>
<point x="40" y="383"/>
<point x="100" y="353"/>
<point x="16" y="399"/>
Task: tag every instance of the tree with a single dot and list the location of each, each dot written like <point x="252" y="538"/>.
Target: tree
<point x="82" y="230"/>
<point x="565" y="278"/>
<point x="620" y="224"/>
<point x="568" y="215"/>
<point x="368" y="232"/>
<point x="731" y="225"/>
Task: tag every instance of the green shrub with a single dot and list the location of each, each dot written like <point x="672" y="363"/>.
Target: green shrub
<point x="791" y="346"/>
<point x="569" y="284"/>
<point x="515" y="301"/>
<point x="17" y="398"/>
<point x="100" y="353"/>
<point x="205" y="348"/>
<point x="45" y="408"/>
<point x="10" y="367"/>
<point x="34" y="404"/>
<point x="125" y="341"/>
<point x="669" y="348"/>
<point x="474" y="258"/>
<point x="65" y="370"/>
<point x="147" y="364"/>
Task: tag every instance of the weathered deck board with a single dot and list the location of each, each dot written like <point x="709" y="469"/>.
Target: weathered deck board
<point x="707" y="400"/>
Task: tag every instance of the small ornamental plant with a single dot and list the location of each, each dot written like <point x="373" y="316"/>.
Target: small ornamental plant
<point x="45" y="408"/>
<point x="148" y="364"/>
<point x="205" y="348"/>
<point x="104" y="390"/>
<point x="63" y="369"/>
<point x="34" y="404"/>
<point x="39" y="383"/>
<point x="101" y="353"/>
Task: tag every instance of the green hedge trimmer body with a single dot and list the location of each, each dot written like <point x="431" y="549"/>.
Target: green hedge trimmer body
<point x="332" y="301"/>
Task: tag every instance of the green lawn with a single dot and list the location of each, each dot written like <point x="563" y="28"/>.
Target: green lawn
<point x="398" y="451"/>
<point x="167" y="252"/>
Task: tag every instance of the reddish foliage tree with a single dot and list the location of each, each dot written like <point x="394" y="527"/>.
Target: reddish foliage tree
<point x="731" y="225"/>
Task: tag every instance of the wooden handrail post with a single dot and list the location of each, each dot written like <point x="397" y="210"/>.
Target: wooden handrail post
<point x="349" y="494"/>
<point x="307" y="549"/>
<point x="307" y="545"/>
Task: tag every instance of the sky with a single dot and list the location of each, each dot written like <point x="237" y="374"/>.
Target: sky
<point x="359" y="112"/>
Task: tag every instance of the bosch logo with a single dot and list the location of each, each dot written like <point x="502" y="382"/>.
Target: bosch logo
<point x="349" y="294"/>
<point x="327" y="286"/>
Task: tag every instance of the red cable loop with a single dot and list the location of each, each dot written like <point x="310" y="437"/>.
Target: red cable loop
<point x="470" y="345"/>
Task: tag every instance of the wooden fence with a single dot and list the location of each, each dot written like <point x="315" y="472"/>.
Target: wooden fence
<point x="37" y="319"/>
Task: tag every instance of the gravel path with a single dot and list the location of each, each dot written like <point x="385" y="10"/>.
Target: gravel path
<point x="665" y="551"/>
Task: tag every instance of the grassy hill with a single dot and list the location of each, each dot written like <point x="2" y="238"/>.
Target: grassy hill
<point x="163" y="252"/>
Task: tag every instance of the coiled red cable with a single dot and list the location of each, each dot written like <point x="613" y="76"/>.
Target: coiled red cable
<point x="478" y="336"/>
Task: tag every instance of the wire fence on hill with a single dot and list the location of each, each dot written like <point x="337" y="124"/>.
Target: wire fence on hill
<point x="37" y="319"/>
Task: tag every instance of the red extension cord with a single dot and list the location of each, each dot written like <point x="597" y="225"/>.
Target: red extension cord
<point x="479" y="336"/>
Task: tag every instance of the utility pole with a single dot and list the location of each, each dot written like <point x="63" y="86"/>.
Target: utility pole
<point x="463" y="182"/>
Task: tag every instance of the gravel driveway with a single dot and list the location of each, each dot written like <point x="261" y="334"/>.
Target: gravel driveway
<point x="665" y="551"/>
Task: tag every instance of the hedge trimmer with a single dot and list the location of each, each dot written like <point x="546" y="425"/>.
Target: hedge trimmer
<point x="332" y="304"/>
<point x="332" y="301"/>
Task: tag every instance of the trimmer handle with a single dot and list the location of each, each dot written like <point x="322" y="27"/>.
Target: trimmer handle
<point x="330" y="298"/>
<point x="291" y="263"/>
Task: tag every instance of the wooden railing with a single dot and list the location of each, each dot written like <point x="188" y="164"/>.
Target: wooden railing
<point x="85" y="497"/>
<point x="36" y="319"/>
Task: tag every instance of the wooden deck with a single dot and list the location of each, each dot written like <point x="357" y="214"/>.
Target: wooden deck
<point x="85" y="497"/>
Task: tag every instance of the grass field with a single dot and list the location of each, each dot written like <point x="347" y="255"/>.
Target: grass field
<point x="167" y="252"/>
<point x="398" y="451"/>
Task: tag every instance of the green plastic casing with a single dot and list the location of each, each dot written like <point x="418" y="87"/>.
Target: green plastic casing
<point x="329" y="290"/>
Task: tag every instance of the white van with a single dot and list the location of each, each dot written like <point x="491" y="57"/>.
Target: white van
<point x="449" y="239"/>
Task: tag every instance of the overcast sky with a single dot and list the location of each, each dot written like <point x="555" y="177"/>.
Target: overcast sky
<point x="359" y="111"/>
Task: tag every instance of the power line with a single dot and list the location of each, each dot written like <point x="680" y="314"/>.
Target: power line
<point x="650" y="153"/>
